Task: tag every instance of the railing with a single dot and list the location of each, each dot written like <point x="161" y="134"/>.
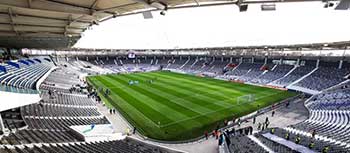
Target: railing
<point x="17" y="90"/>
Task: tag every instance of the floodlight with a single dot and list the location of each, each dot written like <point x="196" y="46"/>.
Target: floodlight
<point x="268" y="7"/>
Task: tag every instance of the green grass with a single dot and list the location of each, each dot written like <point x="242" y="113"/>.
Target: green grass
<point x="179" y="106"/>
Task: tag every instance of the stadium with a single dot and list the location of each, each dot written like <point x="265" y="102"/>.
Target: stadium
<point x="174" y="76"/>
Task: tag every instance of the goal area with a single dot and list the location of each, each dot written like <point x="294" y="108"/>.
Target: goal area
<point x="249" y="98"/>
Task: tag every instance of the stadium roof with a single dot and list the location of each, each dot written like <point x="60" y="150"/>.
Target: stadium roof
<point x="60" y="23"/>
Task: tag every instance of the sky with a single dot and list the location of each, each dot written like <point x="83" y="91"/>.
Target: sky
<point x="218" y="26"/>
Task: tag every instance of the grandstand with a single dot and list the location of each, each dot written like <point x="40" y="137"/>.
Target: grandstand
<point x="58" y="98"/>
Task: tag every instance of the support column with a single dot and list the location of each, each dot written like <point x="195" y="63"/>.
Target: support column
<point x="222" y="59"/>
<point x="8" y="54"/>
<point x="241" y="60"/>
<point x="298" y="61"/>
<point x="253" y="59"/>
<point x="281" y="60"/>
<point x="318" y="62"/>
<point x="265" y="62"/>
<point x="2" y="127"/>
<point x="340" y="64"/>
<point x="230" y="59"/>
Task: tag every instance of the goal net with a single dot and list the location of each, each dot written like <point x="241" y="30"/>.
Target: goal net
<point x="250" y="98"/>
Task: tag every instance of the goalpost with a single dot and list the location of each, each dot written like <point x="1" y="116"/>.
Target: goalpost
<point x="249" y="98"/>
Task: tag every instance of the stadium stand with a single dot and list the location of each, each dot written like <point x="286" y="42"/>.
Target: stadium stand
<point x="25" y="75"/>
<point x="321" y="78"/>
<point x="65" y="103"/>
<point x="125" y="146"/>
<point x="295" y="75"/>
<point x="45" y="126"/>
<point x="278" y="72"/>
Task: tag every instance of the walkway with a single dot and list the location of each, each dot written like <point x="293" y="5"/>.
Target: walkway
<point x="295" y="113"/>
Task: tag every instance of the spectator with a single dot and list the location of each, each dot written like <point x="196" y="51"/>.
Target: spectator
<point x="217" y="133"/>
<point x="313" y="133"/>
<point x="273" y="113"/>
<point x="325" y="149"/>
<point x="221" y="139"/>
<point x="134" y="130"/>
<point x="225" y="122"/>
<point x="254" y="119"/>
<point x="286" y="136"/>
<point x="297" y="139"/>
<point x="311" y="145"/>
<point x="127" y="131"/>
<point x="263" y="127"/>
<point x="206" y="135"/>
<point x="233" y="131"/>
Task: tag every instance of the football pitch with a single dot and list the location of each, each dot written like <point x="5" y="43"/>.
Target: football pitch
<point x="172" y="106"/>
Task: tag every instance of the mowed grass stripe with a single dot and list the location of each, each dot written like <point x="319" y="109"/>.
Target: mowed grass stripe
<point x="199" y="81"/>
<point x="218" y="84"/>
<point x="120" y="100"/>
<point x="191" y="90"/>
<point x="188" y="93"/>
<point x="178" y="105"/>
<point x="203" y="84"/>
<point x="152" y="109"/>
<point x="135" y="114"/>
<point x="258" y="91"/>
<point x="176" y="111"/>
<point x="207" y="114"/>
<point x="181" y="89"/>
<point x="201" y="110"/>
<point x="194" y="104"/>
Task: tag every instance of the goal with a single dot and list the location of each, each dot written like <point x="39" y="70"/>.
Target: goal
<point x="249" y="98"/>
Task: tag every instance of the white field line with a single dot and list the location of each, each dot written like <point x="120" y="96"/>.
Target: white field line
<point x="203" y="95"/>
<point x="140" y="113"/>
<point x="197" y="116"/>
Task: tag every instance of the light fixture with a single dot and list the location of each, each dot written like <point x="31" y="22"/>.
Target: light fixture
<point x="268" y="7"/>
